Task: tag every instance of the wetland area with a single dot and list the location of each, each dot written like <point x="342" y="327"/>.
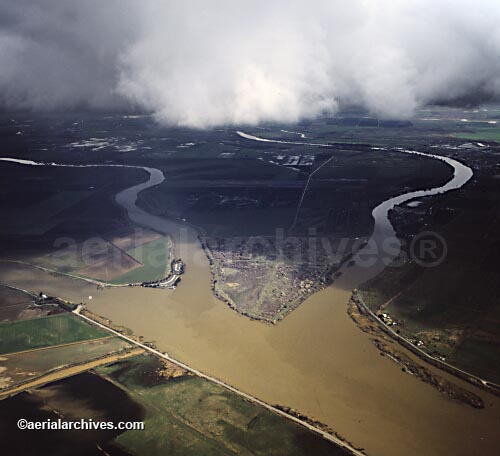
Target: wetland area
<point x="315" y="360"/>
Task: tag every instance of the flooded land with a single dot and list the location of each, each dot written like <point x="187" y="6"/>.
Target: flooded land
<point x="316" y="360"/>
<point x="81" y="396"/>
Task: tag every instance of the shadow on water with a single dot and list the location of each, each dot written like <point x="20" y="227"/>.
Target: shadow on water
<point x="85" y="395"/>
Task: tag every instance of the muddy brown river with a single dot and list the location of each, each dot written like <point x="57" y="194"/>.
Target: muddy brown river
<point x="316" y="360"/>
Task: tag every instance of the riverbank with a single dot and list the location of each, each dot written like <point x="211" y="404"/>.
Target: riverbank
<point x="357" y="299"/>
<point x="315" y="361"/>
<point x="304" y="421"/>
<point x="319" y="281"/>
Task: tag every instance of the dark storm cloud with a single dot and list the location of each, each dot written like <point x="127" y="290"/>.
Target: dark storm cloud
<point x="202" y="63"/>
<point x="61" y="54"/>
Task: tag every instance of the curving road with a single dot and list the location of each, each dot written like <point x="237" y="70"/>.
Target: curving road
<point x="128" y="198"/>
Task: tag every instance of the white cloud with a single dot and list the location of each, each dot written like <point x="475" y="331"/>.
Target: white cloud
<point x="200" y="63"/>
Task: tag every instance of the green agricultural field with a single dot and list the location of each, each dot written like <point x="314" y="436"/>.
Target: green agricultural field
<point x="45" y="332"/>
<point x="154" y="257"/>
<point x="191" y="416"/>
<point x="481" y="134"/>
<point x="452" y="307"/>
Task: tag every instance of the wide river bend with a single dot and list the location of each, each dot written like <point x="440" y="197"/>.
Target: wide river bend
<point x="316" y="360"/>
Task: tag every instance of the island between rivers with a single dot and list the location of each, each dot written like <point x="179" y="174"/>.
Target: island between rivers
<point x="315" y="361"/>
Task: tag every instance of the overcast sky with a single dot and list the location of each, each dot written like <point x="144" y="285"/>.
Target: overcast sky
<point x="201" y="63"/>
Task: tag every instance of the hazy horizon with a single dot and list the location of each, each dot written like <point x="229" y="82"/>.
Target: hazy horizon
<point x="226" y="63"/>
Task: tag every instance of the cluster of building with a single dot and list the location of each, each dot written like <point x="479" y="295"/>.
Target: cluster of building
<point x="387" y="319"/>
<point x="177" y="268"/>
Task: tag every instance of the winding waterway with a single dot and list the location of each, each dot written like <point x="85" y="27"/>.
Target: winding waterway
<point x="316" y="360"/>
